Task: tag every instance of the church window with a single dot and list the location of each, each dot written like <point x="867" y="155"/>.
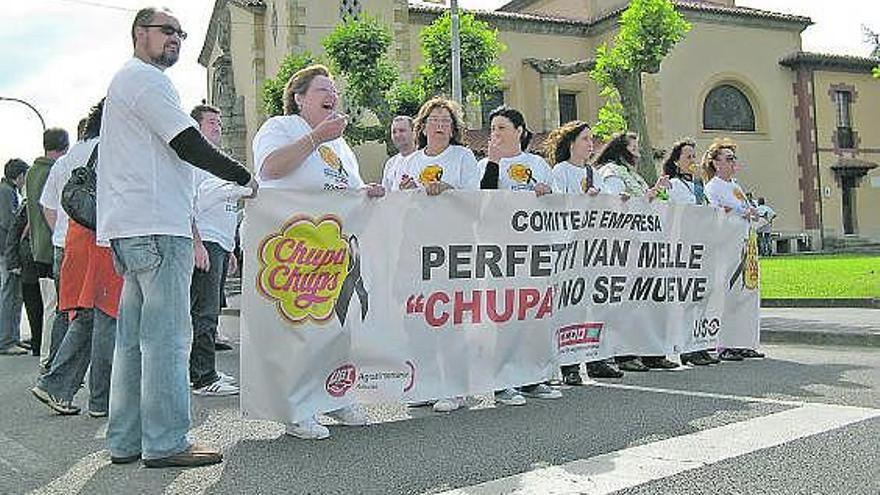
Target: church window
<point x="728" y="109"/>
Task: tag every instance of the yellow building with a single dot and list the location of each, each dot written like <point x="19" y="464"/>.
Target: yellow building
<point x="809" y="149"/>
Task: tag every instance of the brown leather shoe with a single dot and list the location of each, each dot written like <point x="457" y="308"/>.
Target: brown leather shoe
<point x="126" y="459"/>
<point x="194" y="456"/>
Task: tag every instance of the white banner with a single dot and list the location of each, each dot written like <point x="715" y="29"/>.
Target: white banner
<point x="409" y="297"/>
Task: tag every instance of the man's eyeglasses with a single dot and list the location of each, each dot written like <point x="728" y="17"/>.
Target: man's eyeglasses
<point x="167" y="29"/>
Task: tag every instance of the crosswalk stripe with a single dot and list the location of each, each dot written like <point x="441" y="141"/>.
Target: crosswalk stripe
<point x="634" y="466"/>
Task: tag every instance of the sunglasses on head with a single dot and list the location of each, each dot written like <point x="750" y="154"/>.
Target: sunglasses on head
<point x="167" y="29"/>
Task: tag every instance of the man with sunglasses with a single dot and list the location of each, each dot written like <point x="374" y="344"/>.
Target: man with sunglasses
<point x="144" y="205"/>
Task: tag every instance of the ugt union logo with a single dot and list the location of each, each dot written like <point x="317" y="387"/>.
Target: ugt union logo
<point x="311" y="270"/>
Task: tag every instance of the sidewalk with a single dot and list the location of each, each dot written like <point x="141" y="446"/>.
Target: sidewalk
<point x="821" y="326"/>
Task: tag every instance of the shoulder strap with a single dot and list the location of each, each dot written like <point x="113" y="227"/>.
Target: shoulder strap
<point x="93" y="157"/>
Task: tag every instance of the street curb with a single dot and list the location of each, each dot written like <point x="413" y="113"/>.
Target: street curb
<point x="820" y="338"/>
<point x="864" y="302"/>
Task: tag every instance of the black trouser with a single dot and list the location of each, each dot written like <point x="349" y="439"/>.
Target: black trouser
<point x="33" y="300"/>
<point x="205" y="311"/>
<point x="33" y="306"/>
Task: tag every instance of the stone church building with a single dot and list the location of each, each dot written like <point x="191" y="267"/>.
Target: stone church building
<point x="807" y="124"/>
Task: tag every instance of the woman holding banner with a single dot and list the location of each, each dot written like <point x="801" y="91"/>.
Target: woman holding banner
<point x="569" y="149"/>
<point x="440" y="164"/>
<point x="508" y="166"/>
<point x="720" y="165"/>
<point x="618" y="161"/>
<point x="681" y="168"/>
<point x="304" y="150"/>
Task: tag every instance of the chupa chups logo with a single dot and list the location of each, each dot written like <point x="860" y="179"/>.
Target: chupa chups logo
<point x="310" y="269"/>
<point x="431" y="174"/>
<point x="747" y="271"/>
<point x="579" y="334"/>
<point x="520" y="173"/>
<point x="341" y="380"/>
<point x="330" y="157"/>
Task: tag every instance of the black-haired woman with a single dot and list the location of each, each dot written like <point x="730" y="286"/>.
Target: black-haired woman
<point x="510" y="167"/>
<point x="618" y="161"/>
<point x="682" y="170"/>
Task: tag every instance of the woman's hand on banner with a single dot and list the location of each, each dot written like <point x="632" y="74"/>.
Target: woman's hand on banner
<point x="374" y="190"/>
<point x="407" y="183"/>
<point x="542" y="189"/>
<point x="435" y="188"/>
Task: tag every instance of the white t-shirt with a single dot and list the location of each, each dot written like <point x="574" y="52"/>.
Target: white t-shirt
<point x="682" y="191"/>
<point x="143" y="187"/>
<point x="215" y="206"/>
<point x="571" y="179"/>
<point x="394" y="172"/>
<point x="332" y="166"/>
<point x="521" y="172"/>
<point x="456" y="166"/>
<point x="59" y="174"/>
<point x="722" y="193"/>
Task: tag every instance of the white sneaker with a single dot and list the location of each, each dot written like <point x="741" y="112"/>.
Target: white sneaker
<point x="217" y="389"/>
<point x="541" y="391"/>
<point x="227" y="378"/>
<point x="510" y="397"/>
<point x="308" y="429"/>
<point x="448" y="405"/>
<point x="349" y="416"/>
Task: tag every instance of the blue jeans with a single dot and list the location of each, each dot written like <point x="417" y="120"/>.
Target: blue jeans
<point x="89" y="340"/>
<point x="149" y="386"/>
<point x="10" y="307"/>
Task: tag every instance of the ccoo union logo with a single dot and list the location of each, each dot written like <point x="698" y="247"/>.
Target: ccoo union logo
<point x="341" y="380"/>
<point x="310" y="269"/>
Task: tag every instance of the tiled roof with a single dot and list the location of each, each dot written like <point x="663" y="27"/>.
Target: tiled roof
<point x="249" y="3"/>
<point x="431" y="9"/>
<point x="712" y="8"/>
<point x="830" y="61"/>
<point x="691" y="5"/>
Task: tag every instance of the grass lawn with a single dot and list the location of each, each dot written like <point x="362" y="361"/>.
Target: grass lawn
<point x="820" y="276"/>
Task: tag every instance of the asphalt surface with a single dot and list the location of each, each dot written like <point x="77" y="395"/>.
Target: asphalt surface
<point x="417" y="451"/>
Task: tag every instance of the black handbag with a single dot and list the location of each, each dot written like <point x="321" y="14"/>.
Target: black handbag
<point x="78" y="195"/>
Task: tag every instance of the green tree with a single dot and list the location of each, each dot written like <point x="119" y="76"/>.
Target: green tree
<point x="273" y="89"/>
<point x="480" y="48"/>
<point x="874" y="40"/>
<point x="648" y="31"/>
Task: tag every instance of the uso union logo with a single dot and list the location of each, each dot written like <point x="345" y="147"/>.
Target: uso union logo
<point x="303" y="266"/>
<point x="341" y="380"/>
<point x="706" y="327"/>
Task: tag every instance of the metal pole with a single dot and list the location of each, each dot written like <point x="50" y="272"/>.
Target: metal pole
<point x="456" y="54"/>
<point x="43" y="122"/>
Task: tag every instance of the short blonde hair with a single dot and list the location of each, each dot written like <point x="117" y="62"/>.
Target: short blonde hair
<point x="299" y="83"/>
<point x="455" y="112"/>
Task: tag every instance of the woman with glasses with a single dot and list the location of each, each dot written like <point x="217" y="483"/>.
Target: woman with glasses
<point x="508" y="166"/>
<point x="618" y="161"/>
<point x="304" y="150"/>
<point x="440" y="164"/>
<point x="720" y="165"/>
<point x="682" y="170"/>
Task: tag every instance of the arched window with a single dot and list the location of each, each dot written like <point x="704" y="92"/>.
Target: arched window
<point x="349" y="8"/>
<point x="727" y="109"/>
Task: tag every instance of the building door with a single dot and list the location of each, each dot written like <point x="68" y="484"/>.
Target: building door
<point x="848" y="186"/>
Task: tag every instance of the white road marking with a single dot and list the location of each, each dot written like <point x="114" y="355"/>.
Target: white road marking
<point x="75" y="478"/>
<point x="634" y="466"/>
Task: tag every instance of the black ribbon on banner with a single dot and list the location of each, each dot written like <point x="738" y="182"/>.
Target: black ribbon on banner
<point x="353" y="283"/>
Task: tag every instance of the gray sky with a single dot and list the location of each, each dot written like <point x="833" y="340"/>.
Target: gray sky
<point x="60" y="54"/>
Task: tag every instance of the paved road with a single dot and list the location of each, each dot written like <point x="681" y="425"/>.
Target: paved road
<point x="807" y="420"/>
